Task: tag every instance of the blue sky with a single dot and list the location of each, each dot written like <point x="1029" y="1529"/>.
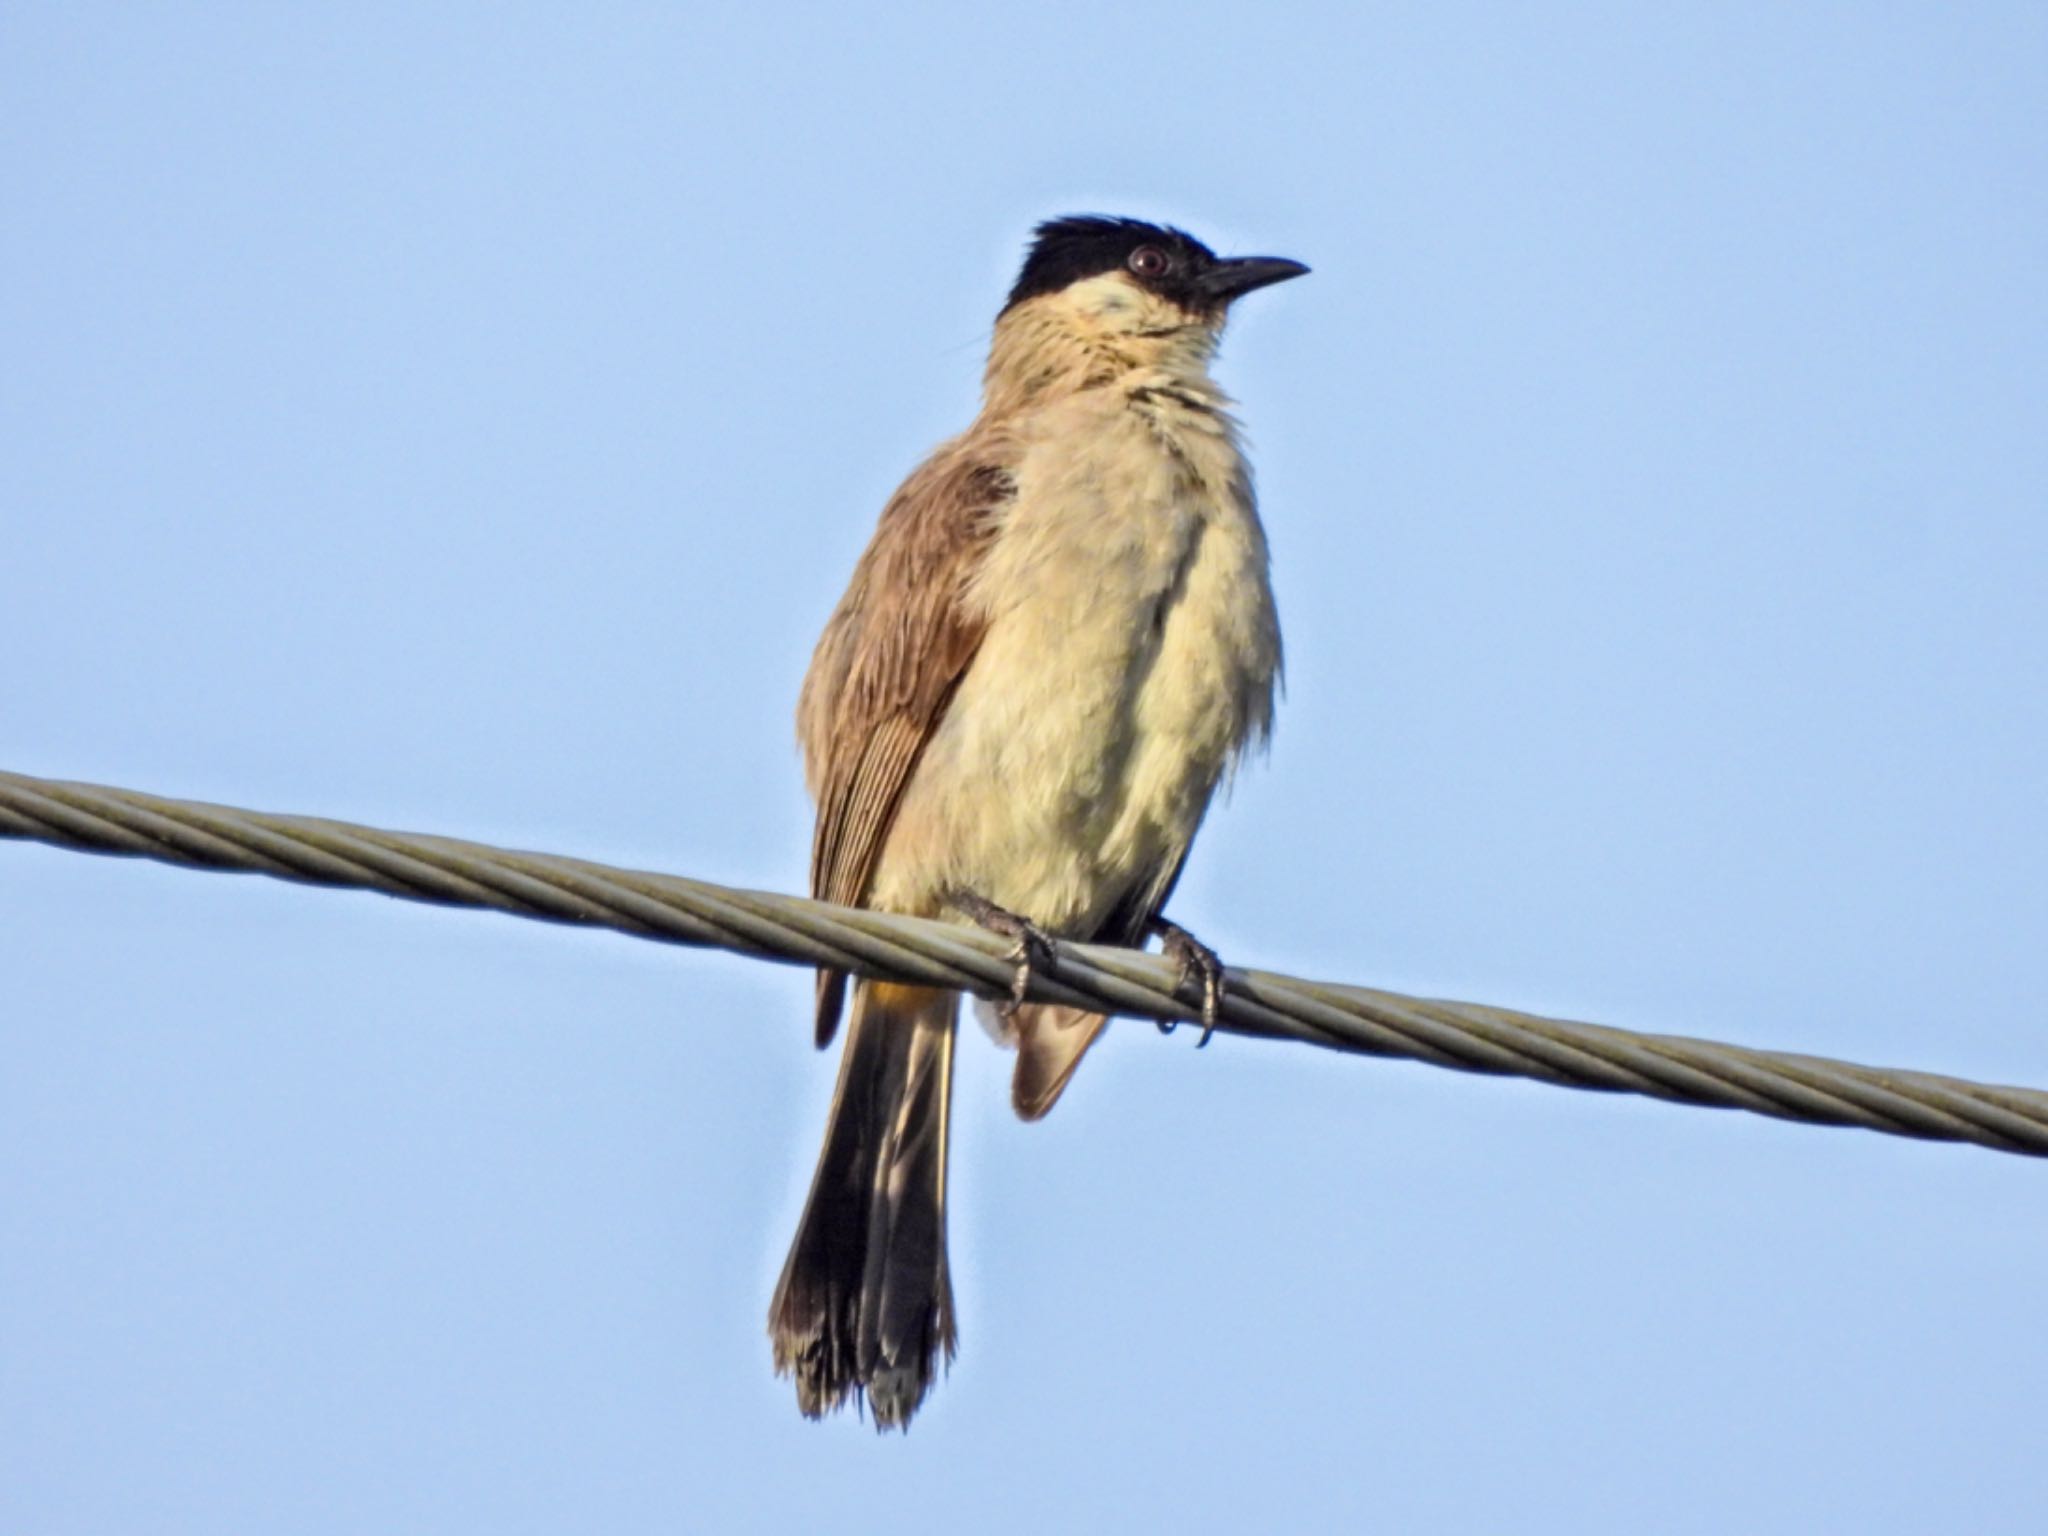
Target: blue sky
<point x="462" y="419"/>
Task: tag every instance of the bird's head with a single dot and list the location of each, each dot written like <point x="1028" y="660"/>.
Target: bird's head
<point x="1125" y="276"/>
<point x="1106" y="294"/>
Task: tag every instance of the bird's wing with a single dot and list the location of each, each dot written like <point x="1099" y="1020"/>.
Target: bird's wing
<point x="1052" y="1038"/>
<point x="888" y="664"/>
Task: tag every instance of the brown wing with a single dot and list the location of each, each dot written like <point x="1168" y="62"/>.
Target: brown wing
<point x="886" y="668"/>
<point x="1051" y="1039"/>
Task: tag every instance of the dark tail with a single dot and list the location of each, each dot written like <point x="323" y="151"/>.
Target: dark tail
<point x="864" y="1305"/>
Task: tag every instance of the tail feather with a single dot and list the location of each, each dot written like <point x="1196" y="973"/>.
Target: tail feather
<point x="865" y="1305"/>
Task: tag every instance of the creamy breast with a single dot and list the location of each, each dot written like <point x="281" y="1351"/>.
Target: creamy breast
<point x="1089" y="734"/>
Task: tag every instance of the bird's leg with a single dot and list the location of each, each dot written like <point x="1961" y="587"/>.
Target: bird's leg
<point x="1194" y="958"/>
<point x="1034" y="944"/>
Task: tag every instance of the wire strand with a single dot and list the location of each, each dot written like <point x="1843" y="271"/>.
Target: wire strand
<point x="1467" y="1036"/>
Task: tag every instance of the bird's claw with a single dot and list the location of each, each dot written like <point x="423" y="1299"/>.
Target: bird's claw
<point x="1193" y="959"/>
<point x="1033" y="951"/>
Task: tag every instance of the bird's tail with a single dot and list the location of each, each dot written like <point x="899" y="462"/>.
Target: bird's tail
<point x="864" y="1304"/>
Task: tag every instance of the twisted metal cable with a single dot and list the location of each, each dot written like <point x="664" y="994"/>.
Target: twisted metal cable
<point x="1466" y="1036"/>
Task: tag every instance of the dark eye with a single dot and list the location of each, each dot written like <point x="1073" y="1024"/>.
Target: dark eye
<point x="1149" y="261"/>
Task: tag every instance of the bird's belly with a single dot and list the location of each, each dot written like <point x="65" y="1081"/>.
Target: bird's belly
<point x="1083" y="746"/>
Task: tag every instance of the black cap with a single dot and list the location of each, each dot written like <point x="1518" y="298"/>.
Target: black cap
<point x="1171" y="262"/>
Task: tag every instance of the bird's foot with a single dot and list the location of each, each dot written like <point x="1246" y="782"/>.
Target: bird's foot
<point x="1194" y="959"/>
<point x="1034" y="950"/>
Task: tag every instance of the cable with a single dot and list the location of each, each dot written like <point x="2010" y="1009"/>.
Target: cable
<point x="1466" y="1036"/>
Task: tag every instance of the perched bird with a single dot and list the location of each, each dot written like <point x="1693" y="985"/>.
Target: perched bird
<point x="1056" y="644"/>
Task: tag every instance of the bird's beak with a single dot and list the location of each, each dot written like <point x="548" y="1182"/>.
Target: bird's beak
<point x="1239" y="275"/>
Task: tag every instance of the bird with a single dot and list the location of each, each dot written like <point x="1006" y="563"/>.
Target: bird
<point x="1058" y="643"/>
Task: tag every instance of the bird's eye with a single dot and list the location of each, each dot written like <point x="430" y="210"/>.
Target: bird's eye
<point x="1149" y="261"/>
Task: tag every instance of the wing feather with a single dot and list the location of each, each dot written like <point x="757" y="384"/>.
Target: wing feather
<point x="887" y="667"/>
<point x="1051" y="1038"/>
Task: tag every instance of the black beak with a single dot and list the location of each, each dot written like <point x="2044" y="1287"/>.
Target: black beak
<point x="1239" y="275"/>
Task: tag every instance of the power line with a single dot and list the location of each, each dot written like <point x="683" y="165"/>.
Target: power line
<point x="1468" y="1036"/>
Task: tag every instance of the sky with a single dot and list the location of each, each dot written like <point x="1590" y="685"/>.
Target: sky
<point x="462" y="419"/>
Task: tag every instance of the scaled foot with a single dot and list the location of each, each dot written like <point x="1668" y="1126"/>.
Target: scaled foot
<point x="1034" y="945"/>
<point x="1193" y="959"/>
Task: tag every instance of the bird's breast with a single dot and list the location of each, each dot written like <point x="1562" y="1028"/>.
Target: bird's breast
<point x="1130" y="653"/>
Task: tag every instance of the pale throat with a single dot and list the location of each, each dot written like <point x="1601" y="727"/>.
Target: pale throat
<point x="1100" y="331"/>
